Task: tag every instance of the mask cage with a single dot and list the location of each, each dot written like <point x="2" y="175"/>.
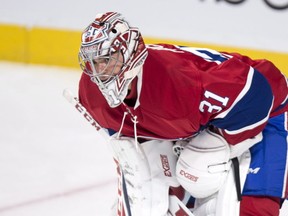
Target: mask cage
<point x="88" y="63"/>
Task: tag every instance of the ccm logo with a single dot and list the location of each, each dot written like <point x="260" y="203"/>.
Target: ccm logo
<point x="188" y="176"/>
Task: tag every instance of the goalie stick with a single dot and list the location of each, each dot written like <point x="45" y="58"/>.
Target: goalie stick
<point x="68" y="95"/>
<point x="176" y="206"/>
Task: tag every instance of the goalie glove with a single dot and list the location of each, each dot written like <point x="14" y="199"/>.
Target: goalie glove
<point x="204" y="164"/>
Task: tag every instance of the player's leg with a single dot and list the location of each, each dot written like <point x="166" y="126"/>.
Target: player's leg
<point x="257" y="205"/>
<point x="266" y="181"/>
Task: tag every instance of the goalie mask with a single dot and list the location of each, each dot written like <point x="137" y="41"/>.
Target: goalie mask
<point x="112" y="54"/>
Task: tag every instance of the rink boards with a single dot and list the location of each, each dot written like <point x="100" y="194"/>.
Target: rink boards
<point x="60" y="47"/>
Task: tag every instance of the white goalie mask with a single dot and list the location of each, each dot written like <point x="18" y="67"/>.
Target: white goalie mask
<point x="112" y="54"/>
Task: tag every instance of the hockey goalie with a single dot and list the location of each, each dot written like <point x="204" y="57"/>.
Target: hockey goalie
<point x="193" y="131"/>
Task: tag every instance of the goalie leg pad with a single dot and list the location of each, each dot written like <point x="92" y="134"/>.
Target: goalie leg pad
<point x="147" y="174"/>
<point x="204" y="164"/>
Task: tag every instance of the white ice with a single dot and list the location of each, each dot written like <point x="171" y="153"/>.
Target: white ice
<point x="52" y="162"/>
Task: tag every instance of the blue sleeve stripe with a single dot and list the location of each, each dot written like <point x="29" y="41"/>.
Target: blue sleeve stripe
<point x="248" y="127"/>
<point x="250" y="109"/>
<point x="241" y="95"/>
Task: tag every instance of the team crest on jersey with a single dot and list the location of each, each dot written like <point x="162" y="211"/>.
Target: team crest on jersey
<point x="95" y="33"/>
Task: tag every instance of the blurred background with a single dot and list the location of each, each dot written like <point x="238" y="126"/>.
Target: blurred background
<point x="48" y="32"/>
<point x="51" y="161"/>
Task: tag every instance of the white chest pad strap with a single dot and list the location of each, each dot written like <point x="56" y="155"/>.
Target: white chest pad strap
<point x="148" y="173"/>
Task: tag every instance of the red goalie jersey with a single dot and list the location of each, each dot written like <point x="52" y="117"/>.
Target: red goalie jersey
<point x="182" y="90"/>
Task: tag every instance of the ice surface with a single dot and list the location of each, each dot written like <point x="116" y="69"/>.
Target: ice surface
<point x="52" y="162"/>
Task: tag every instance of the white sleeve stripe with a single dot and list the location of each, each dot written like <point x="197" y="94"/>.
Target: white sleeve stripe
<point x="241" y="95"/>
<point x="286" y="167"/>
<point x="286" y="122"/>
<point x="284" y="101"/>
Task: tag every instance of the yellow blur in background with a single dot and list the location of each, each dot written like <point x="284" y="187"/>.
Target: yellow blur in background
<point x="60" y="47"/>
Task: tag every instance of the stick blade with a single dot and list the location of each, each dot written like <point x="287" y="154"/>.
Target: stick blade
<point x="67" y="93"/>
